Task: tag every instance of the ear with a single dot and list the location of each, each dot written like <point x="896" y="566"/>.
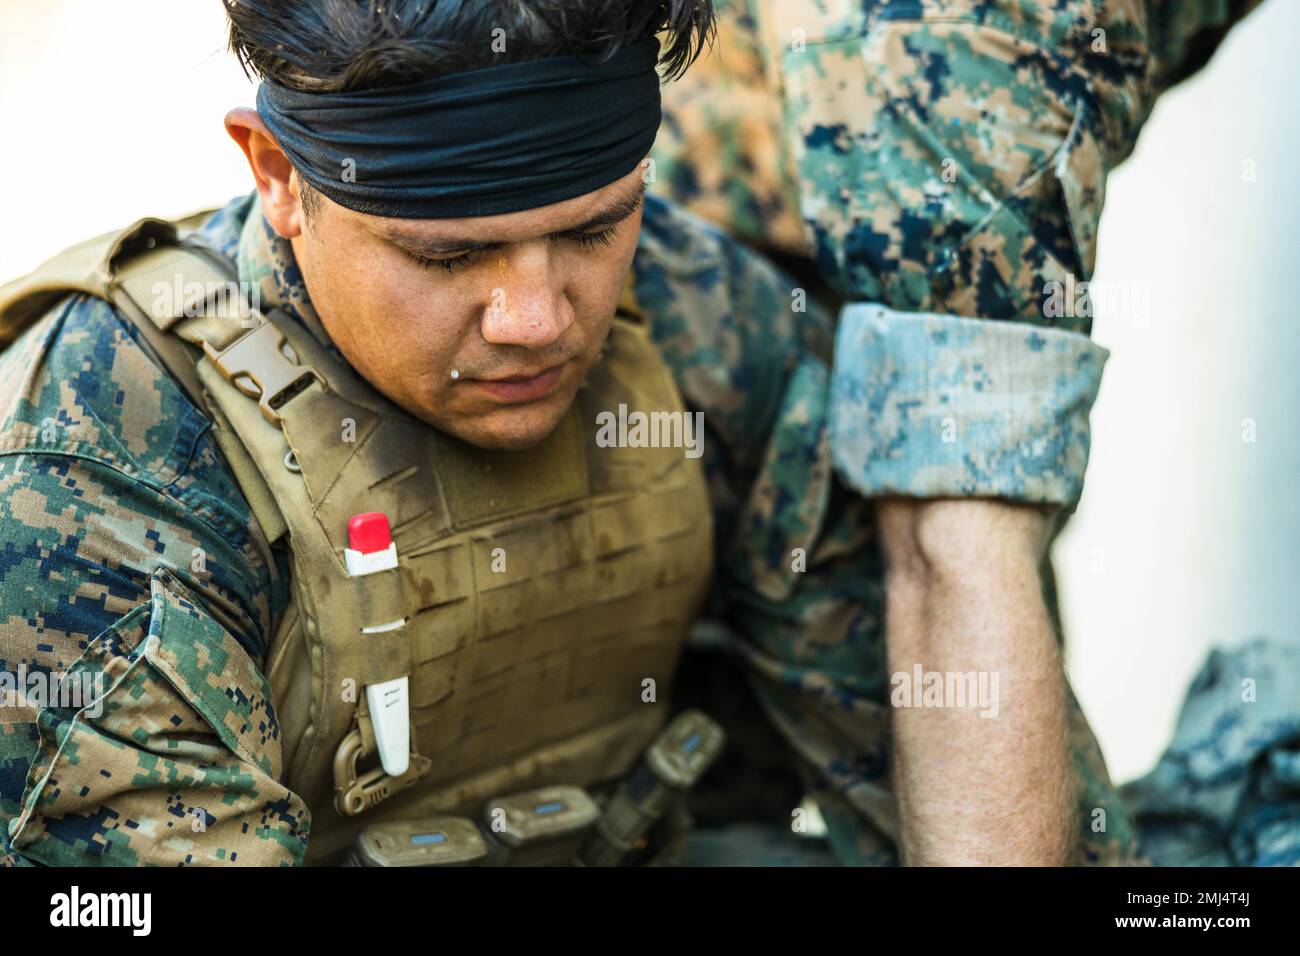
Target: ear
<point x="274" y="175"/>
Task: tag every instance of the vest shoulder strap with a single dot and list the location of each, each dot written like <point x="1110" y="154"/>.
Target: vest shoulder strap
<point x="178" y="293"/>
<point x="98" y="267"/>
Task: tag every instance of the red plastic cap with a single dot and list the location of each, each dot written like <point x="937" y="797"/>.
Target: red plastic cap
<point x="369" y="532"/>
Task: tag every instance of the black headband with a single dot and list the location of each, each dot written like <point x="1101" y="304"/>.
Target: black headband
<point x="486" y="141"/>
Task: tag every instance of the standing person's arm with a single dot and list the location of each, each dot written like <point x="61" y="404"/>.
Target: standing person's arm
<point x="952" y="162"/>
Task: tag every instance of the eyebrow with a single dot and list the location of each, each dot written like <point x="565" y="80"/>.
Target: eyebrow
<point x="423" y="246"/>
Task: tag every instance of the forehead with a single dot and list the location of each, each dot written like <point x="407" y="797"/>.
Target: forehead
<point x="612" y="202"/>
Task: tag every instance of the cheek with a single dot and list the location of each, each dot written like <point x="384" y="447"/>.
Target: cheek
<point x="387" y="321"/>
<point x="409" y="318"/>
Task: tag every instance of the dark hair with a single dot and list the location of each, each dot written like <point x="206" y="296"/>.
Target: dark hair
<point x="340" y="45"/>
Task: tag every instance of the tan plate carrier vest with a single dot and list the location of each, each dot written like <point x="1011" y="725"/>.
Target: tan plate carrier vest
<point x="519" y="677"/>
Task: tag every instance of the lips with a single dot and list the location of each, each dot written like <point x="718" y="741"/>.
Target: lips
<point x="516" y="378"/>
<point x="519" y="388"/>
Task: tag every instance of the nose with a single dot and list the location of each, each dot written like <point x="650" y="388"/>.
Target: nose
<point x="527" y="306"/>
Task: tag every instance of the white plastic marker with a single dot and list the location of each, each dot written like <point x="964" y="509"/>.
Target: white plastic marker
<point x="371" y="549"/>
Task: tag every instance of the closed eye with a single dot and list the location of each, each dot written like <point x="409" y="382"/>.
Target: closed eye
<point x="587" y="240"/>
<point x="450" y="263"/>
<point x="591" y="240"/>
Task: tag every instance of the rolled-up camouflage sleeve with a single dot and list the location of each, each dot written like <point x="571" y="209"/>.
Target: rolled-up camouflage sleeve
<point x="951" y="159"/>
<point x="941" y="406"/>
<point x="136" y="602"/>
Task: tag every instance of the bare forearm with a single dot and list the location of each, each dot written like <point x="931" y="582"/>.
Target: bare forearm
<point x="983" y="778"/>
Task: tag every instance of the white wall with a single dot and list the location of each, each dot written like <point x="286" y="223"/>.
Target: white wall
<point x="109" y="112"/>
<point x="1186" y="535"/>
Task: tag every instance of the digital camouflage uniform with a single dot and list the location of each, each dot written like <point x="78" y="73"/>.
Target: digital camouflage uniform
<point x="945" y="156"/>
<point x="922" y="167"/>
<point x="1226" y="792"/>
<point x="937" y="161"/>
<point x="947" y="161"/>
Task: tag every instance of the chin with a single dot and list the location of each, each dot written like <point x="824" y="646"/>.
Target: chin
<point x="509" y="429"/>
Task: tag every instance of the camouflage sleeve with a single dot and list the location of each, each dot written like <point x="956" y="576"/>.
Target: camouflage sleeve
<point x="940" y="406"/>
<point x="952" y="154"/>
<point x="951" y="159"/>
<point x="136" y="725"/>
